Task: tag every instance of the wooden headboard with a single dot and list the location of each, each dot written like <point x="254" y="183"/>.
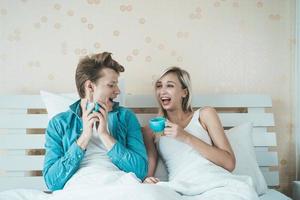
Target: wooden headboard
<point x="23" y="119"/>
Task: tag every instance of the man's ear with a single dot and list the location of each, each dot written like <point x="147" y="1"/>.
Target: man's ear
<point x="88" y="85"/>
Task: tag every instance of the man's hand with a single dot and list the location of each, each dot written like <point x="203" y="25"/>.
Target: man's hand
<point x="88" y="120"/>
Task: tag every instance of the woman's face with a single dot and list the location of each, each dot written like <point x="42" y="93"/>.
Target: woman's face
<point x="169" y="92"/>
<point x="106" y="87"/>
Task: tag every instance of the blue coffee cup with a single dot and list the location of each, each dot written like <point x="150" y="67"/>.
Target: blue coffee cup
<point x="157" y="124"/>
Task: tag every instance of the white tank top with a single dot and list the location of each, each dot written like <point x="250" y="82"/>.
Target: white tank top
<point x="180" y="157"/>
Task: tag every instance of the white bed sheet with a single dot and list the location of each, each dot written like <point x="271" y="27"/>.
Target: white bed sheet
<point x="273" y="195"/>
<point x="38" y="195"/>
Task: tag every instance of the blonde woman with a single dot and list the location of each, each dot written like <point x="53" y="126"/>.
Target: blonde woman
<point x="194" y="147"/>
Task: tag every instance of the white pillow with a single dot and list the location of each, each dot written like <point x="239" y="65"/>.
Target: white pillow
<point x="57" y="103"/>
<point x="240" y="138"/>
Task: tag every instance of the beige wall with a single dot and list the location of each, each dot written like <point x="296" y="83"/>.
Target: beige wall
<point x="229" y="46"/>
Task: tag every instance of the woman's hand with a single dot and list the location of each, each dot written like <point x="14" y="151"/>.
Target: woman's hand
<point x="151" y="180"/>
<point x="174" y="130"/>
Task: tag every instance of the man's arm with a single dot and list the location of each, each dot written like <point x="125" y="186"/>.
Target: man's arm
<point x="59" y="166"/>
<point x="133" y="156"/>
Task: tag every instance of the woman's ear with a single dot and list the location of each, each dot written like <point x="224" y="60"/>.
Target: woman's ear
<point x="185" y="93"/>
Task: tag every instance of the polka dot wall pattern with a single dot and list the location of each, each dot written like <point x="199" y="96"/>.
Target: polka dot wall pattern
<point x="224" y="44"/>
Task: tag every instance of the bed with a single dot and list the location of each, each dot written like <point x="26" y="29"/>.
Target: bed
<point x="23" y="119"/>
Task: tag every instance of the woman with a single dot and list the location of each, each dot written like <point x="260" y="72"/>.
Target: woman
<point x="194" y="146"/>
<point x="85" y="145"/>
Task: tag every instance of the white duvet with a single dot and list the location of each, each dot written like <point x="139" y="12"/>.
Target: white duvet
<point x="96" y="183"/>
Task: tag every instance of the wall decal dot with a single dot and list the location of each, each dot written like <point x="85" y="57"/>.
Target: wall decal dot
<point x="217" y="4"/>
<point x="235" y="4"/>
<point x="179" y="34"/>
<point x="283" y="162"/>
<point x="129" y="8"/>
<point x="90" y="26"/>
<point x="173" y="53"/>
<point x="90" y="1"/>
<point x="275" y="17"/>
<point x="179" y="59"/>
<point x="142" y="20"/>
<point x="44" y="19"/>
<point x="161" y="47"/>
<point x="3" y="11"/>
<point x="83" y="19"/>
<point x="259" y="4"/>
<point x="129" y="58"/>
<point x="148" y="39"/>
<point x="197" y="14"/>
<point x="122" y="8"/>
<point x="135" y="52"/>
<point x="51" y="77"/>
<point x="148" y="59"/>
<point x="116" y="33"/>
<point x="57" y="7"/>
<point x="37" y="25"/>
<point x="77" y="51"/>
<point x="70" y="12"/>
<point x="97" y="45"/>
<point x="83" y="51"/>
<point x="57" y="25"/>
<point x="192" y="16"/>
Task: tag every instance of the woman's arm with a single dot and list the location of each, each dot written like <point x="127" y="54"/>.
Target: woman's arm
<point x="151" y="150"/>
<point x="220" y="152"/>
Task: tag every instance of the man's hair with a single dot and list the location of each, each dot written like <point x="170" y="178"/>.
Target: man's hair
<point x="89" y="68"/>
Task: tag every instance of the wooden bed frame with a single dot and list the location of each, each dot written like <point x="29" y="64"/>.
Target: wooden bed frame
<point x="23" y="119"/>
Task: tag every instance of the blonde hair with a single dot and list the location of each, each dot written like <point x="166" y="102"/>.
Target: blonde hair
<point x="185" y="81"/>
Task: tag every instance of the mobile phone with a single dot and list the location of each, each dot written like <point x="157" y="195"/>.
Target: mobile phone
<point x="97" y="106"/>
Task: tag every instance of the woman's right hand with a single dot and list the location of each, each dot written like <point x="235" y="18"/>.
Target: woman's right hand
<point x="151" y="180"/>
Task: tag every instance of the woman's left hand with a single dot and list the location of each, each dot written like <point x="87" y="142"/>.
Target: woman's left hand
<point x="174" y="130"/>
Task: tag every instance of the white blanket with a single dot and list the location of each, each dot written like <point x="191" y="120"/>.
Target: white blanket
<point x="208" y="181"/>
<point x="95" y="183"/>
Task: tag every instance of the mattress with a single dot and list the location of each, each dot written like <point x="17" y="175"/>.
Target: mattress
<point x="273" y="195"/>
